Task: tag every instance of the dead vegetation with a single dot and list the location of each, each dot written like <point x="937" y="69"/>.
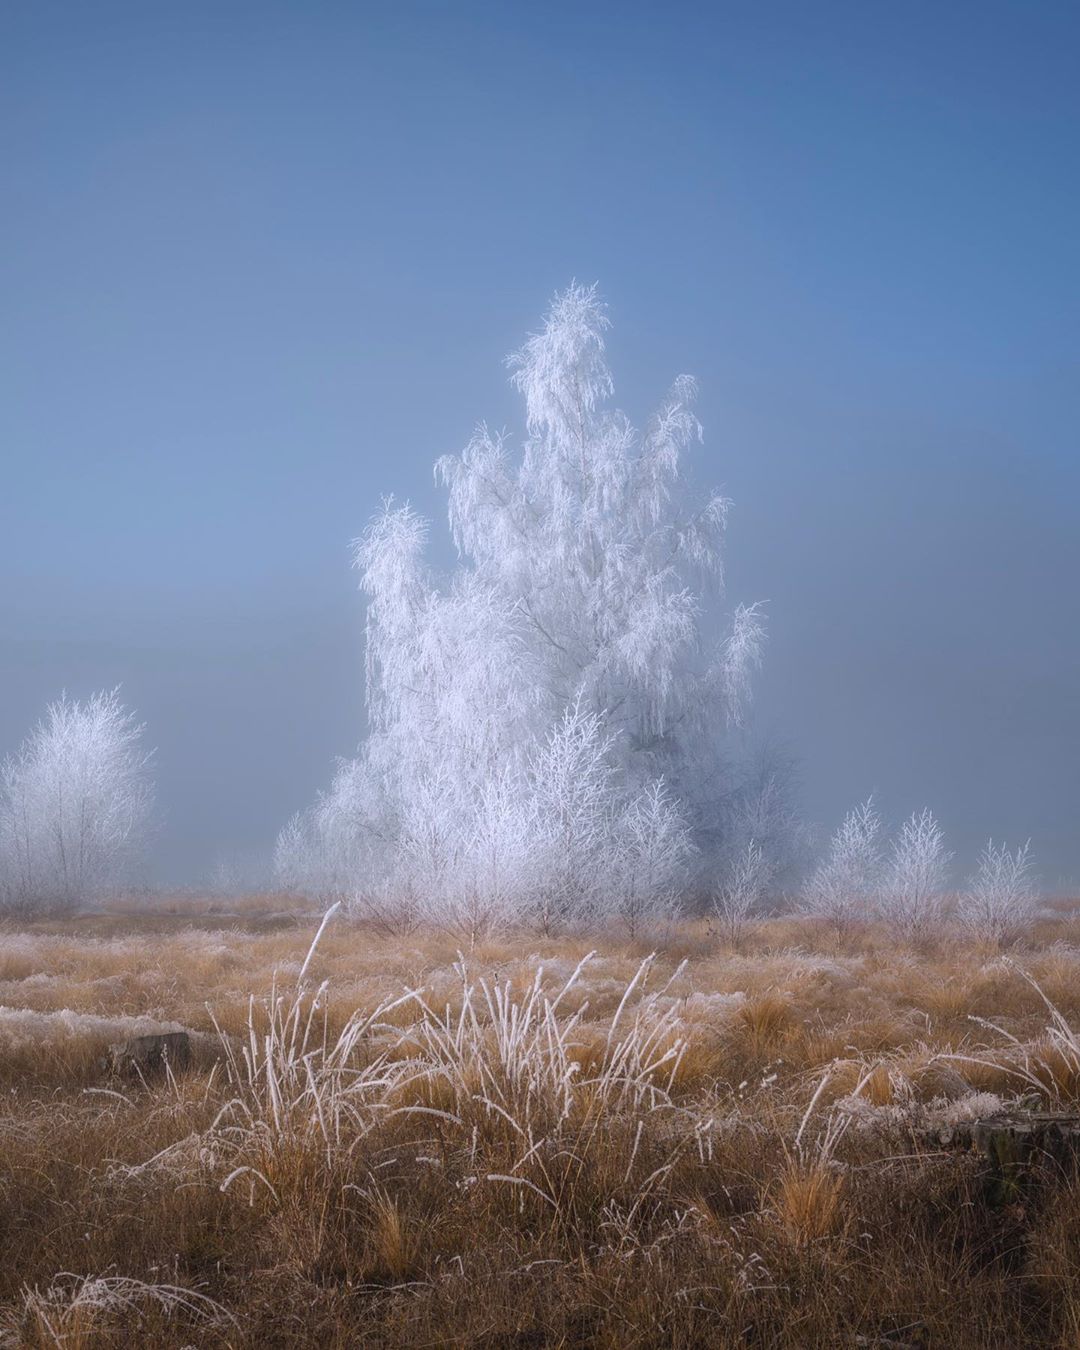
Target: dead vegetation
<point x="530" y="1144"/>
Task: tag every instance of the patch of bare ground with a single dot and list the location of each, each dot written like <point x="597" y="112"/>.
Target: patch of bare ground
<point x="561" y="1142"/>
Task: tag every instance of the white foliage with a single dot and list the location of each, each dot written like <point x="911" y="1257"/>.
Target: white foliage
<point x="324" y="849"/>
<point x="742" y="657"/>
<point x="496" y="869"/>
<point x="1000" y="896"/>
<point x="740" y="891"/>
<point x="572" y="784"/>
<point x="75" y="802"/>
<point x="557" y="675"/>
<point x="651" y="860"/>
<point x="844" y="887"/>
<point x="912" y="894"/>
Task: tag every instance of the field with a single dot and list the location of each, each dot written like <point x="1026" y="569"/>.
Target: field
<point x="534" y="1144"/>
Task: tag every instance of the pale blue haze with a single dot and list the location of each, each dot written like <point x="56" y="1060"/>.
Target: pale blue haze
<point x="259" y="265"/>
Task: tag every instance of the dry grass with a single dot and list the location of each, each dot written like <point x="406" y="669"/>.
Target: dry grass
<point x="530" y="1146"/>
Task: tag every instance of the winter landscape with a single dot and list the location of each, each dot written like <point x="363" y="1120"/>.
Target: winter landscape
<point x="544" y="1003"/>
<point x="566" y="1001"/>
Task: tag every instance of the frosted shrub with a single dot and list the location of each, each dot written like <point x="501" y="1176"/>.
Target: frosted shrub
<point x="844" y="887"/>
<point x="496" y="867"/>
<point x="912" y="894"/>
<point x="998" y="900"/>
<point x="739" y="893"/>
<point x="572" y="784"/>
<point x="75" y="803"/>
<point x="560" y="672"/>
<point x="652" y="856"/>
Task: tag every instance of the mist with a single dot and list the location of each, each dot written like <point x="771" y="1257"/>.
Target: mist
<point x="237" y="317"/>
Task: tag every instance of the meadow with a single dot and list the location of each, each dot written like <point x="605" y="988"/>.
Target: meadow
<point x="537" y="1142"/>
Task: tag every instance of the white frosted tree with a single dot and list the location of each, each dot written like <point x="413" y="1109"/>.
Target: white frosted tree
<point x="999" y="898"/>
<point x="605" y="557"/>
<point x="845" y="885"/>
<point x="572" y="786"/>
<point x="497" y="869"/>
<point x="650" y="861"/>
<point x="574" y="624"/>
<point x="75" y="803"/>
<point x="912" y="895"/>
<point x="739" y="893"/>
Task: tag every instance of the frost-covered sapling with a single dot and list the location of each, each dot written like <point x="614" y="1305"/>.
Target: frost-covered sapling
<point x="998" y="901"/>
<point x="912" y="896"/>
<point x="650" y="861"/>
<point x="843" y="889"/>
<point x="739" y="893"/>
<point x="573" y="796"/>
<point x="497" y="862"/>
<point x="75" y="804"/>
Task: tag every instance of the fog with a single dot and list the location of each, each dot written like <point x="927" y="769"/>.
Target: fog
<point x="261" y="268"/>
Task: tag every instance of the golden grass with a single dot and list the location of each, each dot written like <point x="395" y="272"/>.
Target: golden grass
<point x="523" y="1146"/>
<point x="808" y="1201"/>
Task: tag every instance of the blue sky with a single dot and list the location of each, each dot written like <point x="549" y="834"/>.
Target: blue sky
<point x="260" y="264"/>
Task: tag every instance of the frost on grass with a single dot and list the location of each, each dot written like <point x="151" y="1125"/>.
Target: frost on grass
<point x="741" y="1122"/>
<point x="23" y="1028"/>
<point x="73" y="1307"/>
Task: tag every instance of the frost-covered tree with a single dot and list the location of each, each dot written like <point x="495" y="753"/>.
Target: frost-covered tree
<point x="738" y="896"/>
<point x="651" y="860"/>
<point x="912" y="894"/>
<point x="844" y="886"/>
<point x="567" y="655"/>
<point x="75" y="802"/>
<point x="325" y="849"/>
<point x="999" y="898"/>
<point x="761" y="808"/>
<point x="497" y="868"/>
<point x="572" y="786"/>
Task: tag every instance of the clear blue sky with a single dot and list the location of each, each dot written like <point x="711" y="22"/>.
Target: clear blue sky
<point x="260" y="263"/>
